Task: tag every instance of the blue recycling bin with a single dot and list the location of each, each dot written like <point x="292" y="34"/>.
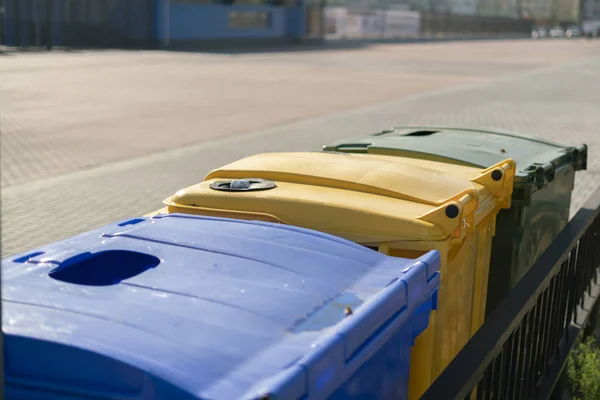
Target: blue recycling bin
<point x="185" y="307"/>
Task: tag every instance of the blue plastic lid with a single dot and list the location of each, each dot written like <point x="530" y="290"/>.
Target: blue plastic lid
<point x="187" y="307"/>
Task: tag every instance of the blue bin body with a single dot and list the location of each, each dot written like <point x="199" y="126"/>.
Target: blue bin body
<point x="186" y="307"/>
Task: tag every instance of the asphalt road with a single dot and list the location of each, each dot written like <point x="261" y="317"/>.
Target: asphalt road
<point x="93" y="137"/>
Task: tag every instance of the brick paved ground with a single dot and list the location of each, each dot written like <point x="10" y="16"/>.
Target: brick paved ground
<point x="91" y="138"/>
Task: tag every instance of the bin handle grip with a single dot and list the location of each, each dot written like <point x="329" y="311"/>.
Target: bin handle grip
<point x="217" y="212"/>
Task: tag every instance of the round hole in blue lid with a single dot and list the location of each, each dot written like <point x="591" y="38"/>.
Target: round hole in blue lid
<point x="103" y="268"/>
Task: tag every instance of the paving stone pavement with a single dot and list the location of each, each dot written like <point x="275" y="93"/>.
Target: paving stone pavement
<point x="559" y="102"/>
<point x="62" y="112"/>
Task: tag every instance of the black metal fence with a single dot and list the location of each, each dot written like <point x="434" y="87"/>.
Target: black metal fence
<point x="521" y="349"/>
<point x="434" y="23"/>
<point x="79" y="23"/>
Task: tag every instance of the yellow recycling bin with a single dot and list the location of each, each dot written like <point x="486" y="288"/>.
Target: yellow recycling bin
<point x="403" y="207"/>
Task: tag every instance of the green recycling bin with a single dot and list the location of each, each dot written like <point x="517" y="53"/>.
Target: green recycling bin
<point x="541" y="197"/>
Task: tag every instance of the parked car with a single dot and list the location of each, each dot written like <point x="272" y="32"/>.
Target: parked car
<point x="539" y="33"/>
<point x="593" y="33"/>
<point x="556" y="32"/>
<point x="591" y="28"/>
<point x="573" y="31"/>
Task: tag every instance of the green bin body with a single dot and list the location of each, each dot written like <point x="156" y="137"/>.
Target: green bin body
<point x="542" y="187"/>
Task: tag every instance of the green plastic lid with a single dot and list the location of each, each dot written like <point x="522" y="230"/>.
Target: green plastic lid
<point x="536" y="159"/>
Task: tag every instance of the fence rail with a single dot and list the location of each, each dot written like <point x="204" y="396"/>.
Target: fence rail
<point x="521" y="349"/>
<point x="433" y="23"/>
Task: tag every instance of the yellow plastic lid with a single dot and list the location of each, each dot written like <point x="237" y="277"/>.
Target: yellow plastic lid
<point x="365" y="198"/>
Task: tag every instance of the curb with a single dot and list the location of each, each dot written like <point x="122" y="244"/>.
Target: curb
<point x="300" y="44"/>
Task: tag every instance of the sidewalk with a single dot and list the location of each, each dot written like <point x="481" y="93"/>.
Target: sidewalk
<point x="62" y="112"/>
<point x="109" y="136"/>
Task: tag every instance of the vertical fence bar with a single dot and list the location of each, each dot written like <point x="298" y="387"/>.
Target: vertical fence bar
<point x="569" y="279"/>
<point x="554" y="323"/>
<point x="582" y="262"/>
<point x="49" y="23"/>
<point x="543" y="336"/>
<point x="525" y="332"/>
<point x="548" y="347"/>
<point x="595" y="251"/>
<point x="572" y="301"/>
<point x="590" y="266"/>
<point x="563" y="298"/>
<point x="17" y="23"/>
<point x="497" y="377"/>
<point x="126" y="40"/>
<point x="512" y="352"/>
<point x="87" y="18"/>
<point x="483" y="389"/>
<point x="525" y="391"/>
<point x="64" y="21"/>
<point x="3" y="19"/>
<point x="103" y="23"/>
<point x="506" y="366"/>
<point x="546" y="331"/>
<point x="530" y="372"/>
<point x="597" y="255"/>
<point x="517" y="360"/>
<point x="587" y="260"/>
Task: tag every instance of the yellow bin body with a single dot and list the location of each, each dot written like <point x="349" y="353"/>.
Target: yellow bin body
<point x="404" y="207"/>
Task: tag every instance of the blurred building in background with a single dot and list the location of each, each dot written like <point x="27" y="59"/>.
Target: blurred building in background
<point x="538" y="9"/>
<point x="463" y="7"/>
<point x="440" y="6"/>
<point x="498" y="8"/>
<point x="458" y="7"/>
<point x="566" y="11"/>
<point x="590" y="9"/>
<point x="173" y="23"/>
